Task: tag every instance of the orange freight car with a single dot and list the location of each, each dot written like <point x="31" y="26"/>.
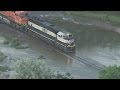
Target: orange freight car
<point x="15" y="17"/>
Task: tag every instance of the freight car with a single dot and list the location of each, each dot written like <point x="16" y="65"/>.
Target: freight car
<point x="39" y="28"/>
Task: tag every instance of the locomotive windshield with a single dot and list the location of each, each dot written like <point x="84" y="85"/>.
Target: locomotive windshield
<point x="68" y="37"/>
<point x="22" y="14"/>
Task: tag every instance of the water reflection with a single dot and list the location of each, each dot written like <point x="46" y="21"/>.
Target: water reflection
<point x="51" y="54"/>
<point x="62" y="58"/>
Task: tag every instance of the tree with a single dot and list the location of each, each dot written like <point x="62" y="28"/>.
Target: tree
<point x="36" y="69"/>
<point x="110" y="72"/>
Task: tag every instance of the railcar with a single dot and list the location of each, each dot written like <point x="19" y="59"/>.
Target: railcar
<point x="39" y="28"/>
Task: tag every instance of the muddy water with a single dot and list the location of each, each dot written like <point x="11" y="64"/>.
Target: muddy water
<point x="99" y="40"/>
<point x="60" y="62"/>
<point x="53" y="59"/>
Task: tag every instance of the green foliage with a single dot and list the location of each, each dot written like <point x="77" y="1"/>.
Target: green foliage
<point x="29" y="69"/>
<point x="111" y="72"/>
<point x="35" y="69"/>
<point x="14" y="42"/>
<point x="64" y="76"/>
<point x="6" y="42"/>
<point x="4" y="69"/>
<point x="41" y="57"/>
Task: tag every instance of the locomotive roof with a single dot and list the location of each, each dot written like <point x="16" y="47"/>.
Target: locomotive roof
<point x="40" y="21"/>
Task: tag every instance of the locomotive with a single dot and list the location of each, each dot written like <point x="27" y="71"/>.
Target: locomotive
<point x="38" y="27"/>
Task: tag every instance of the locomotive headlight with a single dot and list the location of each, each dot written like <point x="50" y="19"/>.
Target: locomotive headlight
<point x="71" y="45"/>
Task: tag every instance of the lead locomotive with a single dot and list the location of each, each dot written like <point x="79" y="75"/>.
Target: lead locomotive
<point x="38" y="27"/>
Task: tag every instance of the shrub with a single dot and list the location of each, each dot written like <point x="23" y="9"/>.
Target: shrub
<point x="14" y="42"/>
<point x="6" y="42"/>
<point x="110" y="72"/>
<point x="35" y="69"/>
<point x="4" y="69"/>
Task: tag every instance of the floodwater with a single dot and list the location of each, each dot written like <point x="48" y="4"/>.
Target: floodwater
<point x="97" y="43"/>
<point x="55" y="60"/>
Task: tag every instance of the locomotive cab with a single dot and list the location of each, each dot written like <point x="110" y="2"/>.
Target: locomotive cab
<point x="67" y="39"/>
<point x="22" y="15"/>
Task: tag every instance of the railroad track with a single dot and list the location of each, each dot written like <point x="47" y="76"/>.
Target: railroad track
<point x="88" y="62"/>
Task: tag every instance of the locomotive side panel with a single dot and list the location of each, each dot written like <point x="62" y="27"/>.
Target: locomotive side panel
<point x="33" y="32"/>
<point x="42" y="29"/>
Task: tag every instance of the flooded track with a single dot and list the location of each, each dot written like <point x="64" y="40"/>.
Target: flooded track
<point x="54" y="59"/>
<point x="87" y="61"/>
<point x="99" y="40"/>
<point x="97" y="48"/>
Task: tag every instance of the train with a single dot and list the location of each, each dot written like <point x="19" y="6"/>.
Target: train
<point x="40" y="28"/>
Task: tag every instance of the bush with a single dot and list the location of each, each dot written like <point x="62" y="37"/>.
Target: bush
<point x="35" y="69"/>
<point x="111" y="72"/>
<point x="4" y="69"/>
<point x="6" y="42"/>
<point x="64" y="76"/>
<point x="41" y="57"/>
<point x="14" y="42"/>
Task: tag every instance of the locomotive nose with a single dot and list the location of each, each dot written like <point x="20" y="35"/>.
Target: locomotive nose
<point x="71" y="48"/>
